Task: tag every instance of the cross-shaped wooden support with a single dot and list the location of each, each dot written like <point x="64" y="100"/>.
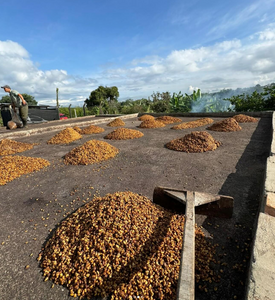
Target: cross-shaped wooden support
<point x="191" y="202"/>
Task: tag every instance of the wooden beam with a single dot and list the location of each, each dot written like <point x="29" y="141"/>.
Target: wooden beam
<point x="186" y="284"/>
<point x="205" y="204"/>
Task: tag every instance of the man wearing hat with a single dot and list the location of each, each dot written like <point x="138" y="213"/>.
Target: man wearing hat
<point x="17" y="100"/>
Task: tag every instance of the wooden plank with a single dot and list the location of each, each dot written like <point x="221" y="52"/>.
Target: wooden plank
<point x="222" y="208"/>
<point x="161" y="198"/>
<point x="205" y="204"/>
<point x="177" y="195"/>
<point x="186" y="284"/>
<point x="205" y="198"/>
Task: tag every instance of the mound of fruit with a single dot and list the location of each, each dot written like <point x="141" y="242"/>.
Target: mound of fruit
<point x="92" y="129"/>
<point x="146" y="117"/>
<point x="8" y="147"/>
<point x="244" y="119"/>
<point x="116" y="123"/>
<point x="122" y="246"/>
<point x="124" y="134"/>
<point x="151" y="124"/>
<point x="65" y="136"/>
<point x="168" y="119"/>
<point x="193" y="124"/>
<point x="12" y="167"/>
<point x="226" y="125"/>
<point x="77" y="129"/>
<point x="90" y="152"/>
<point x="195" y="142"/>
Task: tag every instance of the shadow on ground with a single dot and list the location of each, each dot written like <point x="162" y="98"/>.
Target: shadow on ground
<point x="236" y="234"/>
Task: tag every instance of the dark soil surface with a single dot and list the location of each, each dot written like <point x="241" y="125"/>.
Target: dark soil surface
<point x="33" y="204"/>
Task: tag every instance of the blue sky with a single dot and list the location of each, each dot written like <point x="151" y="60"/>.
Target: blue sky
<point x="139" y="46"/>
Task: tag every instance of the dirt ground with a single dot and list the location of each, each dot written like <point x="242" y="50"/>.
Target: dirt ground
<point x="33" y="204"/>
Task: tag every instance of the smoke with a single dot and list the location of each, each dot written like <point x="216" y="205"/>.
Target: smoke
<point x="211" y="104"/>
<point x="215" y="102"/>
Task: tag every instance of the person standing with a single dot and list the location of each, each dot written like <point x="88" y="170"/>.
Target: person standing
<point x="17" y="100"/>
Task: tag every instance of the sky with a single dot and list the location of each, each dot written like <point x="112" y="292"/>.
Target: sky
<point x="139" y="46"/>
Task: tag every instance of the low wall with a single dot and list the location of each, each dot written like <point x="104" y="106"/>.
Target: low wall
<point x="61" y="124"/>
<point x="259" y="114"/>
<point x="261" y="279"/>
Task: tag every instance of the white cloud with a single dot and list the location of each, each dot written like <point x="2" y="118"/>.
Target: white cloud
<point x="229" y="64"/>
<point x="268" y="34"/>
<point x="12" y="49"/>
<point x="192" y="88"/>
<point x="22" y="74"/>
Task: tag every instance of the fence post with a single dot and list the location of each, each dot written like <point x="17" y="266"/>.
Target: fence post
<point x="70" y="111"/>
<point x="84" y="110"/>
<point x="57" y="103"/>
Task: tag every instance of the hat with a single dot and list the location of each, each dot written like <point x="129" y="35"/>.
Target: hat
<point x="5" y="86"/>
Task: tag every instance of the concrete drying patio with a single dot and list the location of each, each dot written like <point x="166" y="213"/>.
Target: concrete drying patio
<point x="34" y="204"/>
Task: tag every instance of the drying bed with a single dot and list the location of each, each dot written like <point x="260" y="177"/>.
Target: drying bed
<point x="33" y="205"/>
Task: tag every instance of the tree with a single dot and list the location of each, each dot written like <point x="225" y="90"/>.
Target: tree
<point x="244" y="102"/>
<point x="97" y="97"/>
<point x="5" y="99"/>
<point x="269" y="95"/>
<point x="160" y="101"/>
<point x="30" y="99"/>
<point x="183" y="103"/>
<point x="112" y="93"/>
<point x="256" y="101"/>
<point x="102" y="96"/>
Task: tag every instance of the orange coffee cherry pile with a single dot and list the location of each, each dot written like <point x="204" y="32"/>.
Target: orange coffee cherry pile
<point x="196" y="141"/>
<point x="226" y="125"/>
<point x="124" y="246"/>
<point x="193" y="124"/>
<point x="124" y="134"/>
<point x="65" y="136"/>
<point x="90" y="152"/>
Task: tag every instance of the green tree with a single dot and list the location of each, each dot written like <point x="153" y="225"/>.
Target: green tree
<point x="135" y="106"/>
<point x="97" y="97"/>
<point x="160" y="101"/>
<point x="269" y="95"/>
<point x="5" y="99"/>
<point x="105" y="98"/>
<point x="180" y="103"/>
<point x="101" y="95"/>
<point x="112" y="93"/>
<point x="245" y="102"/>
<point x="160" y="106"/>
<point x="30" y="99"/>
<point x="256" y="101"/>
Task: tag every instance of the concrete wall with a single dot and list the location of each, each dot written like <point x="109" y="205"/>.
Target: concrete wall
<point x="261" y="280"/>
<point x="268" y="203"/>
<point x="259" y="114"/>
